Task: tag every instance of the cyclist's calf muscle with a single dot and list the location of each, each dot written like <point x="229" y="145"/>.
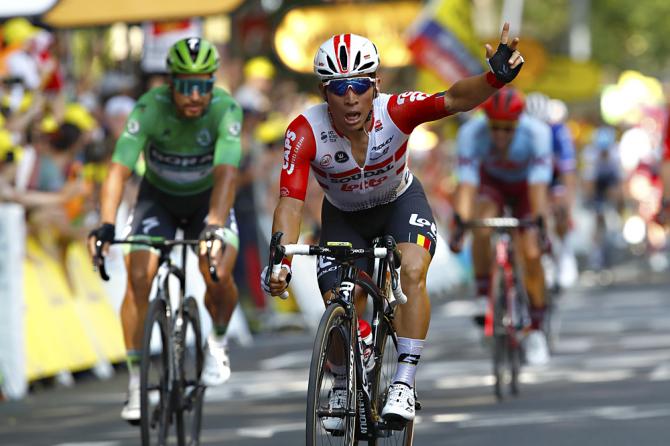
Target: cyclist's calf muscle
<point x="413" y="318"/>
<point x="141" y="266"/>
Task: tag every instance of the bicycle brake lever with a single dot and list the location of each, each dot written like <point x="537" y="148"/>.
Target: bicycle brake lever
<point x="212" y="269"/>
<point x="99" y="261"/>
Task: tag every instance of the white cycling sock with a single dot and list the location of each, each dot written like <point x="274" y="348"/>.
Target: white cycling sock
<point x="409" y="353"/>
<point x="134" y="378"/>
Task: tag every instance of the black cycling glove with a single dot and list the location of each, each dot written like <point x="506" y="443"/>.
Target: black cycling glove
<point x="500" y="66"/>
<point x="104" y="233"/>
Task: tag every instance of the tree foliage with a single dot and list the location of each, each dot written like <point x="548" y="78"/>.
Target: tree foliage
<point x="625" y="34"/>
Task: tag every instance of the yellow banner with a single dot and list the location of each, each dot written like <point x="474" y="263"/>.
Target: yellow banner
<point x="302" y="30"/>
<point x="65" y="330"/>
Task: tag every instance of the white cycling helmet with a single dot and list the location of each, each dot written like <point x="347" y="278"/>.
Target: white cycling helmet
<point x="345" y="55"/>
<point x="537" y="106"/>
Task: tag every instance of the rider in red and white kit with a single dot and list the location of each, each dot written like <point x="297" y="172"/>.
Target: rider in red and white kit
<point x="356" y="145"/>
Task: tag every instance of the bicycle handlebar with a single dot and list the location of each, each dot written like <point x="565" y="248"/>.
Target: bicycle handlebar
<point x="502" y="223"/>
<point x="162" y="244"/>
<point x="338" y="252"/>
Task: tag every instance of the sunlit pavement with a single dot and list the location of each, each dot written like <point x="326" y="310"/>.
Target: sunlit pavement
<point x="607" y="384"/>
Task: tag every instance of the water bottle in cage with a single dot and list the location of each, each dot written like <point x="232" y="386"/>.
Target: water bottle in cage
<point x="365" y="332"/>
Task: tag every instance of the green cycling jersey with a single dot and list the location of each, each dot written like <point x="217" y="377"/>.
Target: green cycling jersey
<point x="180" y="153"/>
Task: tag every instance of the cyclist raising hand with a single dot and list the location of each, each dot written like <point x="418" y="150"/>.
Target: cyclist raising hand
<point x="355" y="143"/>
<point x="189" y="133"/>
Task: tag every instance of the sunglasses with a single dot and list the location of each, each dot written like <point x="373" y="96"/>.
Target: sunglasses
<point x="358" y="84"/>
<point x="188" y="86"/>
<point x="500" y="125"/>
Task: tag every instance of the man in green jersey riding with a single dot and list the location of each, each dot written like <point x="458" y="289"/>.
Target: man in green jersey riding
<point x="189" y="134"/>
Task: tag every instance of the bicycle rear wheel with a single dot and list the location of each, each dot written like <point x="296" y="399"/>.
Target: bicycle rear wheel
<point x="155" y="407"/>
<point x="382" y="375"/>
<point x="189" y="413"/>
<point x="333" y="345"/>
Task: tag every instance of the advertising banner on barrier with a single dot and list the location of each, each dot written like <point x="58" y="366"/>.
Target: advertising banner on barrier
<point x="12" y="347"/>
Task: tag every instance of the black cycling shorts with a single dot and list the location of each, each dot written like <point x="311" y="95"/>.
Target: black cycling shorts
<point x="158" y="214"/>
<point x="408" y="219"/>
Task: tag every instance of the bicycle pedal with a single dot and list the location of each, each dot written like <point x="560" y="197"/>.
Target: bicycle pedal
<point x="395" y="422"/>
<point x="133" y="422"/>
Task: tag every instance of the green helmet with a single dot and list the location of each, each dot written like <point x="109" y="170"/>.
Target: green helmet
<point x="192" y="55"/>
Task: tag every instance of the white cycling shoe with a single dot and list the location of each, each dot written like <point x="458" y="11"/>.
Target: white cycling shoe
<point x="216" y="367"/>
<point x="536" y="348"/>
<point x="131" y="409"/>
<point x="399" y="403"/>
<point x="337" y="400"/>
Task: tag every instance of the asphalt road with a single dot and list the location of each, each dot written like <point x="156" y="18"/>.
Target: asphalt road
<point x="608" y="383"/>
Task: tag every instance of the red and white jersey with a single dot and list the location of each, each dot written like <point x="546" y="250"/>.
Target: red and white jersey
<point x="311" y="140"/>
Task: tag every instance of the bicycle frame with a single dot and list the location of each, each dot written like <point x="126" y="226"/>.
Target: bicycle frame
<point x="505" y="261"/>
<point x="370" y="423"/>
<point x="178" y="397"/>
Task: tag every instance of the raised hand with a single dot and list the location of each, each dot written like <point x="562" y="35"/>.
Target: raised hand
<point x="506" y="61"/>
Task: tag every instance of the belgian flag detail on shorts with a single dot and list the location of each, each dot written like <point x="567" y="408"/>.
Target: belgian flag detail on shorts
<point x="423" y="241"/>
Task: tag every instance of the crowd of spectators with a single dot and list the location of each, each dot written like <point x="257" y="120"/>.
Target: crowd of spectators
<point x="57" y="134"/>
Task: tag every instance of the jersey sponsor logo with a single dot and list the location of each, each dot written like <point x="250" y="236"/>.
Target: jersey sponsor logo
<point x="368" y="184"/>
<point x="284" y="192"/>
<point x="415" y="220"/>
<point x="326" y="160"/>
<point x="325" y="265"/>
<point x="341" y="157"/>
<point x="381" y="149"/>
<point x="289" y="159"/>
<point x="234" y="129"/>
<point x="378" y="125"/>
<point x="180" y="160"/>
<point x="412" y="96"/>
<point x="133" y="126"/>
<point x="204" y="138"/>
<point x="331" y="136"/>
<point x="366" y="174"/>
<point x="149" y="223"/>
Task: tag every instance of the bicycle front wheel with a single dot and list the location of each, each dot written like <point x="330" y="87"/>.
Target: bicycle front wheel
<point x="506" y="348"/>
<point x="331" y="394"/>
<point x="155" y="410"/>
<point x="382" y="376"/>
<point x="190" y="362"/>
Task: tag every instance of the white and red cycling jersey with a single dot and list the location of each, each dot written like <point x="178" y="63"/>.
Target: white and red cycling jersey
<point x="312" y="140"/>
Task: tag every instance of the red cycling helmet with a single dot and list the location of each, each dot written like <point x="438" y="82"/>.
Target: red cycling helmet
<point x="505" y="105"/>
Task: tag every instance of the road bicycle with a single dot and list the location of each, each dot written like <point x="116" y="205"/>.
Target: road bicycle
<point x="507" y="319"/>
<point x="338" y="341"/>
<point x="172" y="350"/>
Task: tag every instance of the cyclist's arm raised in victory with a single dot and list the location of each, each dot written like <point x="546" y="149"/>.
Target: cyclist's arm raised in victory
<point x="505" y="64"/>
<point x="299" y="151"/>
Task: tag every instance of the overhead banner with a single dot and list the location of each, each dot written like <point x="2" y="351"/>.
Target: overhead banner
<point x="79" y="13"/>
<point x="443" y="40"/>
<point x="25" y="8"/>
<point x="302" y="30"/>
<point x="159" y="36"/>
